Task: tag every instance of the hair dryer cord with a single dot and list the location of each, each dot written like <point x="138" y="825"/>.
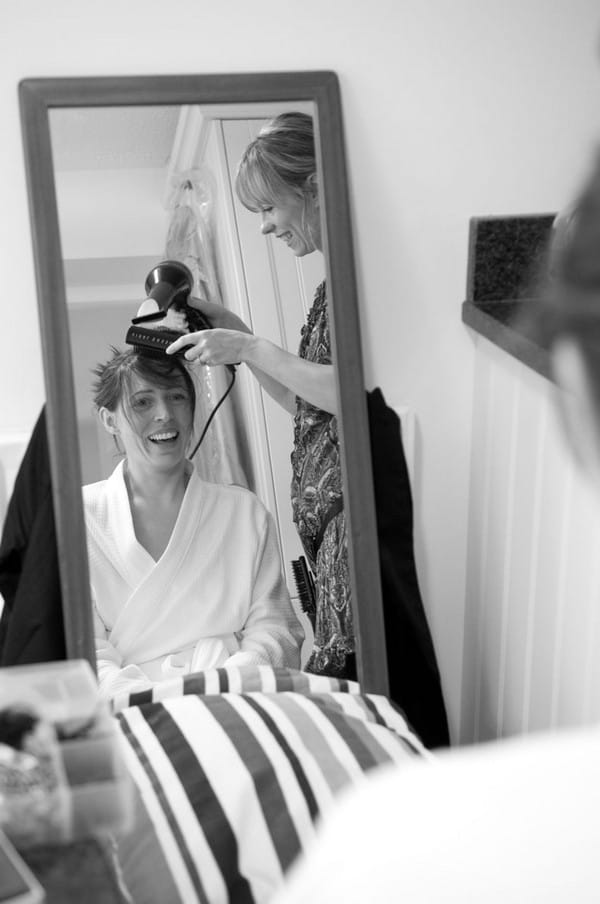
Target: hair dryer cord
<point x="231" y="369"/>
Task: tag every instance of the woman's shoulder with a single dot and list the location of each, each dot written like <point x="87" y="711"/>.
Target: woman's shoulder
<point x="93" y="491"/>
<point x="97" y="485"/>
<point x="95" y="495"/>
<point x="96" y="506"/>
<point x="239" y="492"/>
<point x="234" y="495"/>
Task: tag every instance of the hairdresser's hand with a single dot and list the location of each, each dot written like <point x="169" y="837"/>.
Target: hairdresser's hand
<point x="213" y="346"/>
<point x="219" y="317"/>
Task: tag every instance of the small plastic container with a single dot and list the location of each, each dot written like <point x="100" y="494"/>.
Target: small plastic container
<point x="93" y="787"/>
<point x="68" y="689"/>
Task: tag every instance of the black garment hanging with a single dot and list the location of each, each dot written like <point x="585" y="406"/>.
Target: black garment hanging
<point x="31" y="626"/>
<point x="414" y="676"/>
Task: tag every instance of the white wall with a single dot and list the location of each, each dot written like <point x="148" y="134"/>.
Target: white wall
<point x="139" y="223"/>
<point x="452" y="108"/>
<point x="533" y="573"/>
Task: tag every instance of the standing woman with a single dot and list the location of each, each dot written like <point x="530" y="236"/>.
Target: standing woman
<point x="277" y="178"/>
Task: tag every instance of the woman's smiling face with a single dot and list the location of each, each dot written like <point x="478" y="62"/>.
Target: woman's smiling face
<point x="153" y="422"/>
<point x="296" y="221"/>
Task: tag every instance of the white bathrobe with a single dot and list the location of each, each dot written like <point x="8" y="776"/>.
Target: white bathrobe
<point x="215" y="596"/>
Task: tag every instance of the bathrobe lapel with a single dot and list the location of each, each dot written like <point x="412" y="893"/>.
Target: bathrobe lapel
<point x="148" y="610"/>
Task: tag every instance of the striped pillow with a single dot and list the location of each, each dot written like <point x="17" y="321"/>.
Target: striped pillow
<point x="236" y="680"/>
<point x="229" y="785"/>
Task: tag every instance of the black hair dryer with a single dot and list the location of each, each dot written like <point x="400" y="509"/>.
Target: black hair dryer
<point x="169" y="284"/>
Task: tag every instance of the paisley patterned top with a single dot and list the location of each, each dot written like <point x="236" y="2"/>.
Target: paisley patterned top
<point x="316" y="469"/>
<point x="317" y="505"/>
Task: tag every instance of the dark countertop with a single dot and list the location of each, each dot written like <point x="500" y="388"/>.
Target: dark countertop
<point x="495" y="321"/>
<point x="505" y="257"/>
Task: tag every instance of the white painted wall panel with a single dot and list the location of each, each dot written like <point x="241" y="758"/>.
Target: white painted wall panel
<point x="533" y="581"/>
<point x="526" y="497"/>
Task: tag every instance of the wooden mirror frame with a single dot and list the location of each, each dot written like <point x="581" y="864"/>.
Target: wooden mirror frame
<point x="37" y="96"/>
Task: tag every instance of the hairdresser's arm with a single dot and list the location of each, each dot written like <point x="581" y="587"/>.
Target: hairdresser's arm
<point x="222" y="318"/>
<point x="283" y="375"/>
<point x="219" y="316"/>
<point x="280" y="393"/>
<point x="315" y="383"/>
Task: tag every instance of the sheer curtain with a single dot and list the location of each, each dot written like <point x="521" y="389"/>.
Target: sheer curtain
<point x="221" y="458"/>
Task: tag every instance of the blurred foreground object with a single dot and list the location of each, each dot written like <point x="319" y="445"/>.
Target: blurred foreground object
<point x="62" y="777"/>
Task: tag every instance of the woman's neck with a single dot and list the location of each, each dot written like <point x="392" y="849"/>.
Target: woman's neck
<point x="155" y="500"/>
<point x="151" y="486"/>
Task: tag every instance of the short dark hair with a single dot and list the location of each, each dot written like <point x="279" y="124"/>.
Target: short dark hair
<point x="113" y="377"/>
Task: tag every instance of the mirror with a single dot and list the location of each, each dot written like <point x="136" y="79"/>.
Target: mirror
<point x="135" y="185"/>
<point x="132" y="149"/>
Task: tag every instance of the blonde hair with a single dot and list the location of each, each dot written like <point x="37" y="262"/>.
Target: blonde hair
<point x="281" y="159"/>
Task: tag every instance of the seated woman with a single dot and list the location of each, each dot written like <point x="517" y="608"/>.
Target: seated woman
<point x="185" y="575"/>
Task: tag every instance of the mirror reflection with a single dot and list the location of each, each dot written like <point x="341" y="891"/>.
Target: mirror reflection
<point x="138" y="185"/>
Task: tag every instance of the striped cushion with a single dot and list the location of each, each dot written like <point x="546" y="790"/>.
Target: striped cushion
<point x="229" y="784"/>
<point x="237" y="680"/>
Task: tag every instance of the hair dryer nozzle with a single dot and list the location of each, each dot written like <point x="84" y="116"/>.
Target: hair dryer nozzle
<point x="169" y="282"/>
